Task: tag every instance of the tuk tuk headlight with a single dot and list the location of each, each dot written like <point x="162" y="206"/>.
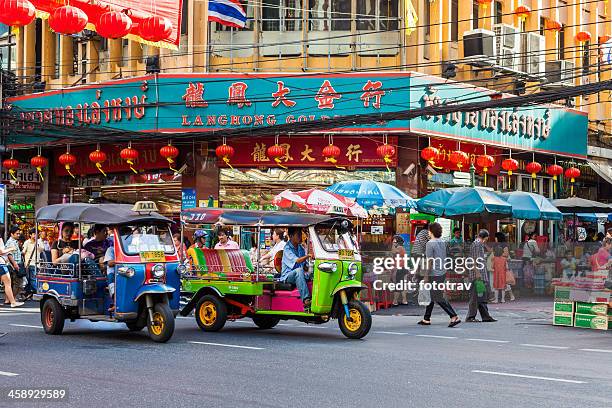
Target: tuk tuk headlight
<point x="328" y="267"/>
<point x="158" y="271"/>
<point x="181" y="270"/>
<point x="126" y="271"/>
<point x="352" y="270"/>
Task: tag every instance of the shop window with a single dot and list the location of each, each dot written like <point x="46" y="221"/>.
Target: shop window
<point x="561" y="42"/>
<point x="377" y="15"/>
<point x="329" y="15"/>
<point x="281" y="15"/>
<point x="499" y="12"/>
<point x="475" y="14"/>
<point x="455" y="20"/>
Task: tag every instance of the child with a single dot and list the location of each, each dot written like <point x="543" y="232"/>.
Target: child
<point x="500" y="269"/>
<point x="569" y="267"/>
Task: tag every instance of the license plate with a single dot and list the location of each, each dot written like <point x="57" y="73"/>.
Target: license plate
<point x="153" y="256"/>
<point x="346" y="254"/>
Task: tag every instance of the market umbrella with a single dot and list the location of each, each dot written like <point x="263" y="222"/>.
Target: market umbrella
<point x="471" y="204"/>
<point x="319" y="201"/>
<point x="368" y="194"/>
<point x="590" y="217"/>
<point x="531" y="206"/>
<point x="575" y="205"/>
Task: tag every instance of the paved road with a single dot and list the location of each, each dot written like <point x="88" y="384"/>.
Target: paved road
<point x="519" y="361"/>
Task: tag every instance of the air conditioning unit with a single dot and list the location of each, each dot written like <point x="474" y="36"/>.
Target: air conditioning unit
<point x="533" y="47"/>
<point x="507" y="46"/>
<point x="560" y="73"/>
<point x="479" y="47"/>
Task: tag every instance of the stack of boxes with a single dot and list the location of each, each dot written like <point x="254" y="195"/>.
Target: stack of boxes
<point x="592" y="311"/>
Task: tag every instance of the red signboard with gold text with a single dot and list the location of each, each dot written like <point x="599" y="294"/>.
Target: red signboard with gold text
<point x="447" y="146"/>
<point x="137" y="10"/>
<point x="355" y="152"/>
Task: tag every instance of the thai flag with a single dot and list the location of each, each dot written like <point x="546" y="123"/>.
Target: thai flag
<point x="227" y="12"/>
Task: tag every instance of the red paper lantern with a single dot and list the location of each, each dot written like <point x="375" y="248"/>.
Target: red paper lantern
<point x="155" y="28"/>
<point x="386" y="152"/>
<point x="98" y="157"/>
<point x="331" y="153"/>
<point x="114" y="24"/>
<point x="170" y="153"/>
<point x="510" y="165"/>
<point x="554" y="170"/>
<point x="572" y="173"/>
<point x="485" y="161"/>
<point x="583" y="36"/>
<point x="459" y="158"/>
<point x="12" y="165"/>
<point x="130" y="155"/>
<point x="16" y="13"/>
<point x="485" y="3"/>
<point x="430" y="154"/>
<point x="522" y="12"/>
<point x="553" y="25"/>
<point x="225" y="153"/>
<point x="67" y="160"/>
<point x="275" y="152"/>
<point x="534" y="168"/>
<point x="38" y="162"/>
<point x="68" y="20"/>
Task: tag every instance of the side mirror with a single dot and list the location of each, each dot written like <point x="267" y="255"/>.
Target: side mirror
<point x="328" y="267"/>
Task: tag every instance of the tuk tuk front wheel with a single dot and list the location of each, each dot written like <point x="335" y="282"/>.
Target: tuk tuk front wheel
<point x="359" y="323"/>
<point x="161" y="326"/>
<point x="52" y="316"/>
<point x="211" y="313"/>
<point x="265" y="322"/>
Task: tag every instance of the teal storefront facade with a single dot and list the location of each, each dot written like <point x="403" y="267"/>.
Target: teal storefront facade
<point x="185" y="103"/>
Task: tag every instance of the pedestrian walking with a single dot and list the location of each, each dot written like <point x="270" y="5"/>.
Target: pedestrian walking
<point x="16" y="265"/>
<point x="477" y="276"/>
<point x="29" y="255"/>
<point x="397" y="249"/>
<point x="435" y="252"/>
<point x="5" y="276"/>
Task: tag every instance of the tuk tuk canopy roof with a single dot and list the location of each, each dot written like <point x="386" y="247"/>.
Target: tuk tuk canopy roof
<point x="228" y="216"/>
<point x="110" y="214"/>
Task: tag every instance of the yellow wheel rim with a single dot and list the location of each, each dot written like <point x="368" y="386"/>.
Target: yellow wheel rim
<point x="355" y="323"/>
<point x="158" y="324"/>
<point x="208" y="313"/>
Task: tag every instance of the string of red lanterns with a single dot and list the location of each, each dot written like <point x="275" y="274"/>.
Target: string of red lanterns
<point x="68" y="20"/>
<point x="155" y="28"/>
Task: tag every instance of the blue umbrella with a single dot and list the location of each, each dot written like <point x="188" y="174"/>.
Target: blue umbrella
<point x="369" y="193"/>
<point x="468" y="203"/>
<point x="590" y="217"/>
<point x="531" y="206"/>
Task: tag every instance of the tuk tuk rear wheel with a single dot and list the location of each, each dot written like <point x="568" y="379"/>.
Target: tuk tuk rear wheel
<point x="211" y="313"/>
<point x="265" y="322"/>
<point x="360" y="323"/>
<point x="52" y="316"/>
<point x="161" y="327"/>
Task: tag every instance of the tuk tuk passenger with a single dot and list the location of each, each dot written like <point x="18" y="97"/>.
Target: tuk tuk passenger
<point x="64" y="248"/>
<point x="99" y="243"/>
<point x="294" y="259"/>
<point x="225" y="240"/>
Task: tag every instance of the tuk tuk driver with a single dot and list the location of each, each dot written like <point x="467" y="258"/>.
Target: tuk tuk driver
<point x="294" y="260"/>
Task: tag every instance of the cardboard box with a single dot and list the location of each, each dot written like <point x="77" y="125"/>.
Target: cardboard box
<point x="591" y="321"/>
<point x="592" y="308"/>
<point x="563" y="319"/>
<point x="563" y="307"/>
<point x="562" y="293"/>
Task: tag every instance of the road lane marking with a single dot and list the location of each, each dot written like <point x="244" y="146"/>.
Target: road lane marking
<point x="226" y="345"/>
<point x="596" y="350"/>
<point x="545" y="346"/>
<point x="435" y="337"/>
<point x="7" y="374"/>
<point x="490" y="340"/>
<point x="534" y="377"/>
<point x="21" y="309"/>
<point x="184" y="317"/>
<point x="25" y="325"/>
<point x="287" y="324"/>
<point x="390" y="332"/>
<point x="242" y="322"/>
